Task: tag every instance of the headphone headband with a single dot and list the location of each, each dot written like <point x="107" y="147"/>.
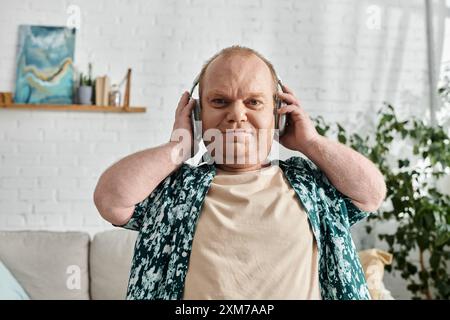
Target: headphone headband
<point x="194" y="84"/>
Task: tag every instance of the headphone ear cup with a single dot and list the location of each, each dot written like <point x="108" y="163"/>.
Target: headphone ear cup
<point x="196" y="127"/>
<point x="275" y="112"/>
<point x="280" y="119"/>
<point x="197" y="110"/>
<point x="282" y="124"/>
<point x="196" y="120"/>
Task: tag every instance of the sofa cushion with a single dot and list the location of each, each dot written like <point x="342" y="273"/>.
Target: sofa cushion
<point x="10" y="289"/>
<point x="111" y="253"/>
<point x="49" y="265"/>
<point x="373" y="262"/>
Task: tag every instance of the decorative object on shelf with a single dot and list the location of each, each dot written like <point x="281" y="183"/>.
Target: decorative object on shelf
<point x="45" y="65"/>
<point x="114" y="96"/>
<point x="85" y="90"/>
<point x="102" y="87"/>
<point x="6" y="97"/>
<point x="126" y="100"/>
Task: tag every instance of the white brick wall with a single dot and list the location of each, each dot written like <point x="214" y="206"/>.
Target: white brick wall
<point x="323" y="50"/>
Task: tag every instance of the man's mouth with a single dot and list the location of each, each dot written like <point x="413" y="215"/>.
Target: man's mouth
<point x="238" y="134"/>
<point x="234" y="132"/>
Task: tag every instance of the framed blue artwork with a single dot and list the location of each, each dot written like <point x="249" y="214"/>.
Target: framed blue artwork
<point x="45" y="65"/>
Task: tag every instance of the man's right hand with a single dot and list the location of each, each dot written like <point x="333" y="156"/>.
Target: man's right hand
<point x="130" y="180"/>
<point x="182" y="128"/>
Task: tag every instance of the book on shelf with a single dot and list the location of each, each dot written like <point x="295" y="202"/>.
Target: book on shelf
<point x="102" y="89"/>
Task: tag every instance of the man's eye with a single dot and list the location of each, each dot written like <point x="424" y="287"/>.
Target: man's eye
<point x="254" y="102"/>
<point x="219" y="101"/>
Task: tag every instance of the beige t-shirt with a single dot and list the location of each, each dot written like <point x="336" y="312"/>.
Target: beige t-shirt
<point x="252" y="241"/>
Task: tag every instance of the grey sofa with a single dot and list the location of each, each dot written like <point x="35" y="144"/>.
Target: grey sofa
<point x="69" y="265"/>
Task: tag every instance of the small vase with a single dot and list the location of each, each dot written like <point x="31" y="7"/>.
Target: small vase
<point x="114" y="96"/>
<point x="85" y="95"/>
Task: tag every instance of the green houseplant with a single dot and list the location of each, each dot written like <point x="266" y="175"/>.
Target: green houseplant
<point x="85" y="90"/>
<point x="420" y="210"/>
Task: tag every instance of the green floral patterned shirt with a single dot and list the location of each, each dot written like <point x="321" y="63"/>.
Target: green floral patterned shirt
<point x="167" y="218"/>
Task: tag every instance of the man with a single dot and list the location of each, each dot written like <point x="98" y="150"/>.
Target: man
<point x="238" y="229"/>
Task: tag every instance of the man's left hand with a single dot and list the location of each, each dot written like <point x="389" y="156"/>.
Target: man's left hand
<point x="300" y="130"/>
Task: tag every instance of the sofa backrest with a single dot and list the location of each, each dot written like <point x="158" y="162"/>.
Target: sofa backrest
<point x="67" y="265"/>
<point x="110" y="254"/>
<point x="48" y="265"/>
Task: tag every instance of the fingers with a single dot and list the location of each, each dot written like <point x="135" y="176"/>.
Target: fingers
<point x="289" y="109"/>
<point x="286" y="89"/>
<point x="295" y="112"/>
<point x="288" y="95"/>
<point x="289" y="98"/>
<point x="186" y="110"/>
<point x="183" y="102"/>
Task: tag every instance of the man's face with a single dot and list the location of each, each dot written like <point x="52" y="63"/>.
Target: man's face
<point x="237" y="93"/>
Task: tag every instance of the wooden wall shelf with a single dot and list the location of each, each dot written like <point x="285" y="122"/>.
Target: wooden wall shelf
<point x="7" y="102"/>
<point x="72" y="107"/>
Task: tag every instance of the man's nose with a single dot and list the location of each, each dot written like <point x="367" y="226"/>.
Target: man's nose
<point x="237" y="112"/>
